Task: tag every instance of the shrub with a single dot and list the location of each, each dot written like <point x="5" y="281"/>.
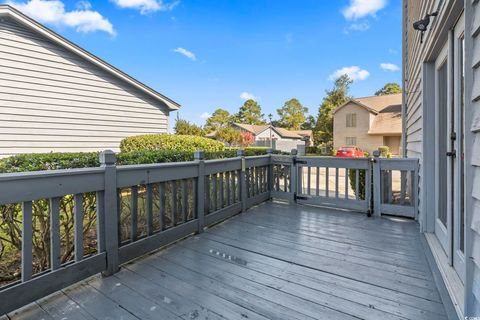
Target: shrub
<point x="384" y="151"/>
<point x="48" y="161"/>
<point x="352" y="177"/>
<point x="170" y="142"/>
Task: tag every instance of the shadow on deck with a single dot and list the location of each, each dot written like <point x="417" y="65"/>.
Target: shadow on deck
<point x="276" y="261"/>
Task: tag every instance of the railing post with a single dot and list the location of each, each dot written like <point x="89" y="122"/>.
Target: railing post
<point x="107" y="161"/>
<point x="377" y="184"/>
<point x="294" y="177"/>
<point x="243" y="180"/>
<point x="270" y="173"/>
<point x="199" y="156"/>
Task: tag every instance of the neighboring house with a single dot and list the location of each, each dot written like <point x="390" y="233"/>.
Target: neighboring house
<point x="275" y="137"/>
<point x="55" y="96"/>
<point x="369" y="123"/>
<point x="441" y="70"/>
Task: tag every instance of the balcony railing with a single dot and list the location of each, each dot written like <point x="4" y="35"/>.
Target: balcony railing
<point x="140" y="208"/>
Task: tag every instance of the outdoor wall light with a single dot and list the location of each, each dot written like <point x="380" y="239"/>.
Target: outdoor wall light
<point x="421" y="25"/>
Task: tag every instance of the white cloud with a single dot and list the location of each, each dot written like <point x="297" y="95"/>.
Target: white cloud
<point x="362" y="8"/>
<point x="355" y="73"/>
<point x="186" y="53"/>
<point x="205" y="115"/>
<point x="147" y="6"/>
<point x="389" y="67"/>
<point x="53" y="12"/>
<point x="247" y="96"/>
<point x="356" y="27"/>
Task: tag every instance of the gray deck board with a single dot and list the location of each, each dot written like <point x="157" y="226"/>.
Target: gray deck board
<point x="275" y="261"/>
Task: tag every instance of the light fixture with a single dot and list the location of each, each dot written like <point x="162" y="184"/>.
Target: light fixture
<point x="421" y="25"/>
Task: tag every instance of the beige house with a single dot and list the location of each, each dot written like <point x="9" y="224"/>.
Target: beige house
<point x="275" y="137"/>
<point x="369" y="123"/>
<point x="55" y="96"/>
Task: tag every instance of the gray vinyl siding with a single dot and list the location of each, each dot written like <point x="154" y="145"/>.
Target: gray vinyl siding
<point x="53" y="100"/>
<point x="474" y="32"/>
<point x="414" y="56"/>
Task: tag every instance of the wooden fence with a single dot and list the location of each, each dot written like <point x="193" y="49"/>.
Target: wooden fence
<point x="140" y="208"/>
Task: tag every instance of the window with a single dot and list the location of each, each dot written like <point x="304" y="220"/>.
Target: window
<point x="351" y="120"/>
<point x="351" y="141"/>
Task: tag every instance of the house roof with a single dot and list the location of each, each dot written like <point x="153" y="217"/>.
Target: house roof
<point x="6" y="10"/>
<point x="258" y="129"/>
<point x="255" y="129"/>
<point x="375" y="104"/>
<point x="388" y="121"/>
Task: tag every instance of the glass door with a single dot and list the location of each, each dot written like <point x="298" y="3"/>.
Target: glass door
<point x="443" y="221"/>
<point x="458" y="150"/>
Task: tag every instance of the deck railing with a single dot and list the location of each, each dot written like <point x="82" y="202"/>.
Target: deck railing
<point x="139" y="208"/>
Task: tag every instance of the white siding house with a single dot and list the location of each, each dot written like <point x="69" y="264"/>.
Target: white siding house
<point x="55" y="96"/>
<point x="441" y="70"/>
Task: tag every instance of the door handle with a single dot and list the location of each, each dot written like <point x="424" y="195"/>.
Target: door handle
<point x="452" y="154"/>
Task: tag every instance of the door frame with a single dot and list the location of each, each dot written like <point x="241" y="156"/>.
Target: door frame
<point x="442" y="231"/>
<point x="458" y="257"/>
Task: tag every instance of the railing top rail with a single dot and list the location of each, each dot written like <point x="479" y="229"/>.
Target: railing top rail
<point x="7" y="177"/>
<point x="216" y="161"/>
<point x="130" y="167"/>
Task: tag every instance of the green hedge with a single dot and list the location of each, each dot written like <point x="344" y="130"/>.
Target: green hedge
<point x="170" y="142"/>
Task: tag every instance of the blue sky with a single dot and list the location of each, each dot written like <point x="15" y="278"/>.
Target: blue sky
<point x="207" y="54"/>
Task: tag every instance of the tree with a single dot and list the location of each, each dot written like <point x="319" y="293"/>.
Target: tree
<point x="309" y="123"/>
<point x="228" y="135"/>
<point x="219" y="118"/>
<point x="186" y="128"/>
<point x="389" y="88"/>
<point x="246" y="138"/>
<point x="292" y="114"/>
<point x="250" y="113"/>
<point x="334" y="98"/>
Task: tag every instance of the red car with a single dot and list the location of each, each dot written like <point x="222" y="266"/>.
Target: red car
<point x="350" y="152"/>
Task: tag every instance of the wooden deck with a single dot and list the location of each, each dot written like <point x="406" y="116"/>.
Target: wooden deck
<point x="276" y="261"/>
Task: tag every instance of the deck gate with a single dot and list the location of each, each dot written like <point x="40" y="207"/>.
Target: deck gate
<point x="370" y="185"/>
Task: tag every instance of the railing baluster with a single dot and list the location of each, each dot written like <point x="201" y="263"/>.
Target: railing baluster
<point x="309" y="172"/>
<point x="346" y="183"/>
<point x="55" y="230"/>
<point x="257" y="180"/>
<point x="173" y="185"/>
<point x="149" y="208"/>
<point x="134" y="212"/>
<point x="161" y="196"/>
<point x="228" y="185"/>
<point x="317" y="190"/>
<point x="277" y="177"/>
<point x="327" y="181"/>
<point x="285" y="181"/>
<point x="184" y="200"/>
<point x="234" y="189"/>
<point x="207" y="194"/>
<point x="78" y="223"/>
<point x="221" y="191"/>
<point x="27" y="233"/>
<point x="119" y="216"/>
<point x="200" y="191"/>
<point x="215" y="192"/>
<point x="336" y="182"/>
<point x="247" y="181"/>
